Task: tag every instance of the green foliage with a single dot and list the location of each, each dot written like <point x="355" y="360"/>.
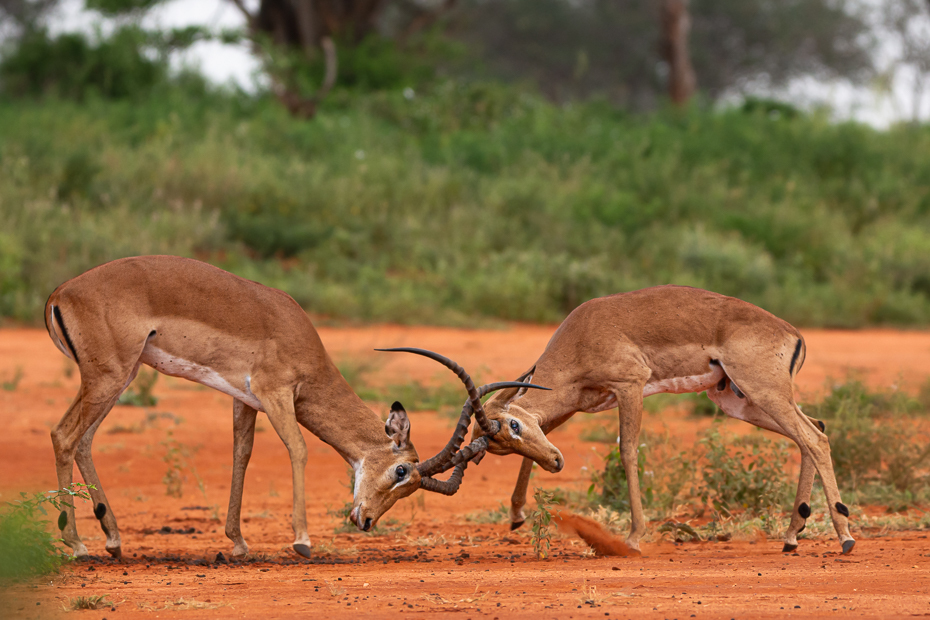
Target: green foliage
<point x="139" y="392"/>
<point x="470" y="202"/>
<point x="72" y="66"/>
<point x="27" y="548"/>
<point x="13" y="383"/>
<point x="541" y="519"/>
<point x="745" y="474"/>
<point x="501" y="514"/>
<point x="444" y="397"/>
<point x="879" y="452"/>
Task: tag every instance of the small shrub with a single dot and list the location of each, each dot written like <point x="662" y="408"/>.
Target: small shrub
<point x="541" y="532"/>
<point x="178" y="458"/>
<point x="26" y="547"/>
<point x="139" y="392"/>
<point x="12" y="384"/>
<point x="89" y="602"/>
<point x="744" y="473"/>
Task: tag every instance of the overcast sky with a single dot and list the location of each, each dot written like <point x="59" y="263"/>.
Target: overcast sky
<point x="224" y="63"/>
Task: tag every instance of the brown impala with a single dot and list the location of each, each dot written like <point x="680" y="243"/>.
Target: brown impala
<point x="189" y="319"/>
<point x="614" y="351"/>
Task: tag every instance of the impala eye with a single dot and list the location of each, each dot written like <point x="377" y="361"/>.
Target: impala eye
<point x="515" y="427"/>
<point x="401" y="472"/>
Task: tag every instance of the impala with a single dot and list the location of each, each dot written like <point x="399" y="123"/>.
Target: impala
<point x="614" y="351"/>
<point x="189" y="319"/>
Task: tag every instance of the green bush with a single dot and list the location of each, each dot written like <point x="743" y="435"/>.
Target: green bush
<point x="469" y="202"/>
<point x="27" y="549"/>
<point x="880" y="453"/>
<point x="71" y="66"/>
<point x="744" y="474"/>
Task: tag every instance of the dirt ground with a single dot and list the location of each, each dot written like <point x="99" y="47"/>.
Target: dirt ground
<point x="432" y="555"/>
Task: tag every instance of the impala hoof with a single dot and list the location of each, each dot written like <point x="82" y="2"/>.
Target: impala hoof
<point x="848" y="546"/>
<point x="789" y="548"/>
<point x="303" y="550"/>
<point x="116" y="552"/>
<point x="516" y="524"/>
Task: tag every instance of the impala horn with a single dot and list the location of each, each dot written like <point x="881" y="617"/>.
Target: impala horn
<point x="450" y="456"/>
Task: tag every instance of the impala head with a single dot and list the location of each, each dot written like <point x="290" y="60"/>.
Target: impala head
<point x="386" y="475"/>
<point x="503" y="427"/>
<point x="520" y="431"/>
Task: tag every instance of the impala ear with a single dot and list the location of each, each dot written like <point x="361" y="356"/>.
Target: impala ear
<point x="397" y="426"/>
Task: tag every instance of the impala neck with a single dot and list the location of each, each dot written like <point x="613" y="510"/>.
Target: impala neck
<point x="334" y="413"/>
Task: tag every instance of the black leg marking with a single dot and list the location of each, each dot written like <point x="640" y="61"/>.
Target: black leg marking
<point x="803" y="527"/>
<point x="516" y="524"/>
<point x="848" y="546"/>
<point x="64" y="332"/>
<point x="823" y="427"/>
<point x="842" y="509"/>
<point x="722" y="385"/>
<point x="794" y="358"/>
<point x="804" y="510"/>
<point x="788" y="548"/>
<point x="303" y="550"/>
<point x="62" y="520"/>
<point x="100" y="510"/>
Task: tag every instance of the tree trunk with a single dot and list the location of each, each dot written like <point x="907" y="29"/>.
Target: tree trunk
<point x="676" y="22"/>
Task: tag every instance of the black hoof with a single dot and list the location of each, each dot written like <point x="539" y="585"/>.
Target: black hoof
<point x="789" y="548"/>
<point x="848" y="546"/>
<point x="116" y="552"/>
<point x="516" y="524"/>
<point x="303" y="550"/>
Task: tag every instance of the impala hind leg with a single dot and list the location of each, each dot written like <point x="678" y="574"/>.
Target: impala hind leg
<point x="741" y="409"/>
<point x="776" y="400"/>
<point x="102" y="510"/>
<point x="280" y="410"/>
<point x="243" y="438"/>
<point x="92" y="404"/>
<point x="518" y="499"/>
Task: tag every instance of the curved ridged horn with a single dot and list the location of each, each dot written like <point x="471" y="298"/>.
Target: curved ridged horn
<point x="490" y="427"/>
<point x="443" y="460"/>
<point x="445" y="487"/>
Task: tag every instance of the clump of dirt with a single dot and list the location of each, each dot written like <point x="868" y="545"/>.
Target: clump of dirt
<point x="594" y="534"/>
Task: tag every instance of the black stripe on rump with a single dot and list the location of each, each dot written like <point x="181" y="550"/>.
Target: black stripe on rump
<point x="64" y="332"/>
<point x="794" y="358"/>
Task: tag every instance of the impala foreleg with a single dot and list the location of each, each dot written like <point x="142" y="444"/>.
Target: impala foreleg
<point x="243" y="438"/>
<point x="630" y="401"/>
<point x="518" y="499"/>
<point x="281" y="414"/>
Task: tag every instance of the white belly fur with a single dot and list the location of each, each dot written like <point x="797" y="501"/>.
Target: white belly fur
<point x="178" y="367"/>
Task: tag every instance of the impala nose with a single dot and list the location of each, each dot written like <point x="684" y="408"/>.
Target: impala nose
<point x="367" y="525"/>
<point x="559" y="463"/>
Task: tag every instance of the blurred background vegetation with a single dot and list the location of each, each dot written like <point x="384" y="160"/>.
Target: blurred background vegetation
<point x="459" y="162"/>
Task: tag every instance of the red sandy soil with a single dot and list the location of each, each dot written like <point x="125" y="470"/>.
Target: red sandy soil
<point x="427" y="558"/>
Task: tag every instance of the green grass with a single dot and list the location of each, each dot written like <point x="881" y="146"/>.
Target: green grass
<point x="471" y="202"/>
